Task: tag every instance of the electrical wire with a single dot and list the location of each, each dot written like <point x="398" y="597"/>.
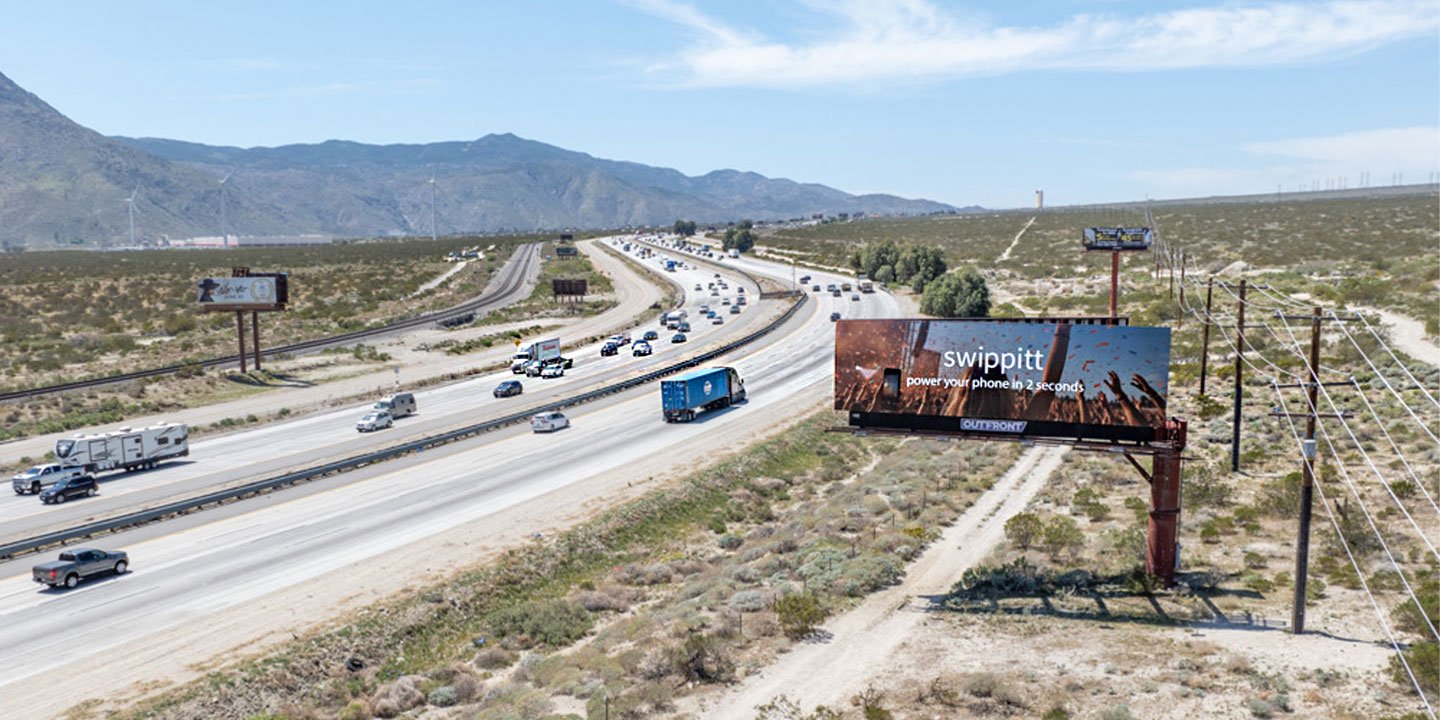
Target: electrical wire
<point x="1379" y="614"/>
<point x="1387" y="349"/>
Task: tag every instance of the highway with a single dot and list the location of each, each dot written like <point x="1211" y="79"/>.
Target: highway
<point x="205" y="585"/>
<point x="277" y="447"/>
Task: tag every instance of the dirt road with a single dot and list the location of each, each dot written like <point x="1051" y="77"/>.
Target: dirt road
<point x="859" y="642"/>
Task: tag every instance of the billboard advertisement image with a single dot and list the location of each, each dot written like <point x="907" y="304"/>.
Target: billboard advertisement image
<point x="257" y="292"/>
<point x="1046" y="379"/>
<point x="1131" y="238"/>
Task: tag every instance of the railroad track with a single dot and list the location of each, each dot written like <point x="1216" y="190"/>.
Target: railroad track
<point x="519" y="267"/>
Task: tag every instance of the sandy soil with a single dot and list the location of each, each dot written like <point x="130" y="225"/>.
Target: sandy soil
<point x="1408" y="335"/>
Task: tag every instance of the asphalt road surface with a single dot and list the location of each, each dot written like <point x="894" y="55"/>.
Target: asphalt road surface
<point x="198" y="573"/>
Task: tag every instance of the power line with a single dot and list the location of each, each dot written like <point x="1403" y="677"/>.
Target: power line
<point x="1401" y="365"/>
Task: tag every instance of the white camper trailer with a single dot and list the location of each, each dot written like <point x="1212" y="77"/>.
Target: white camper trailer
<point x="124" y="449"/>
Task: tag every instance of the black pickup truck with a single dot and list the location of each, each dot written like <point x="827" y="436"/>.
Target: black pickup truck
<point x="78" y="564"/>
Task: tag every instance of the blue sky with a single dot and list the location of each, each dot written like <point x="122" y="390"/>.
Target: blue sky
<point x="963" y="102"/>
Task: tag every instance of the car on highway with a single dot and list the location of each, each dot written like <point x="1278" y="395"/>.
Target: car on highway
<point x="641" y="349"/>
<point x="697" y="287"/>
<point x="854" y="298"/>
<point x="77" y="564"/>
<point x="740" y="290"/>
<point x="549" y="421"/>
<point x="609" y="349"/>
<point x="726" y="301"/>
<point x="718" y="320"/>
<point x="553" y="370"/>
<point x="814" y="288"/>
<point x="509" y="388"/>
<point x="373" y="421"/>
<point x="831" y="288"/>
<point x="734" y="309"/>
<point x="714" y="293"/>
<point x="650" y="335"/>
<point x="677" y="338"/>
<point x="835" y="293"/>
<point x="834" y="317"/>
<point x="620" y="339"/>
<point x="684" y="326"/>
<point x="705" y="309"/>
<point x="37" y="478"/>
<point x="804" y="279"/>
<point x="740" y="300"/>
<point x="71" y="487"/>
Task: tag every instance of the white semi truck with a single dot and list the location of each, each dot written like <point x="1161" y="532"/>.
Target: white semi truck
<point x="537" y="355"/>
<point x="124" y="449"/>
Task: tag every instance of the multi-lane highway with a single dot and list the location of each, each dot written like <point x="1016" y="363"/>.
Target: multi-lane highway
<point x="238" y="576"/>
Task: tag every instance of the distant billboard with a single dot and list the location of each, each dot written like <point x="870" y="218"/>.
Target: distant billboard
<point x="561" y="287"/>
<point x="1045" y="379"/>
<point x="1117" y="238"/>
<point x="250" y="293"/>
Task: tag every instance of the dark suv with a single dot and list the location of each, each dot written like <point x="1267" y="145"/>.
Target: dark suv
<point x="82" y="486"/>
<point x="509" y="388"/>
<point x="609" y="349"/>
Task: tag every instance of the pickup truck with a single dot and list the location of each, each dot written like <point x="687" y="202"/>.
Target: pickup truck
<point x="43" y="476"/>
<point x="78" y="564"/>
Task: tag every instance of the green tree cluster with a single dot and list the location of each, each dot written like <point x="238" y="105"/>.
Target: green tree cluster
<point x="684" y="228"/>
<point x="887" y="262"/>
<point x="739" y="237"/>
<point x="958" y="294"/>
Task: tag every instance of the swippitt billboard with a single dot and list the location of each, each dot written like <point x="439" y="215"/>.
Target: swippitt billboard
<point x="1048" y="379"/>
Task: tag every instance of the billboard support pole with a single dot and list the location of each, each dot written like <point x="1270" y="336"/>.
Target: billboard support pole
<point x="1114" y="281"/>
<point x="1162" y="549"/>
<point x="1307" y="487"/>
<point x="240" y="333"/>
<point x="1239" y="380"/>
<point x="1205" y="335"/>
<point x="255" y="327"/>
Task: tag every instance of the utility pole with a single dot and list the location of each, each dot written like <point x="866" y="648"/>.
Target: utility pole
<point x="1205" y="335"/>
<point x="1239" y="380"/>
<point x="1307" y="486"/>
<point x="1307" y="464"/>
<point x="1180" y="308"/>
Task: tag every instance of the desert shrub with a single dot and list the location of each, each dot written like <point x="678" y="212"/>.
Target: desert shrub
<point x="748" y="601"/>
<point x="1411" y="617"/>
<point x="1062" y="534"/>
<point x="1115" y="712"/>
<point x="799" y="614"/>
<point x="1280" y="497"/>
<point x="556" y="623"/>
<point x="701" y="658"/>
<point x="494" y="658"/>
<point x="1205" y="489"/>
<point x="870" y="701"/>
<point x="868" y="573"/>
<point x="729" y="541"/>
<point x="1260" y="708"/>
<point x="443" y="696"/>
<point x="1255" y="561"/>
<point x="1024" y="529"/>
<point x="603" y="600"/>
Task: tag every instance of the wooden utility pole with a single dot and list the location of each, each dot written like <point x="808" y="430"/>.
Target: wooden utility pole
<point x="255" y="322"/>
<point x="1205" y="335"/>
<point x="1114" y="282"/>
<point x="1180" y="306"/>
<point x="1239" y="380"/>
<point x="1307" y="486"/>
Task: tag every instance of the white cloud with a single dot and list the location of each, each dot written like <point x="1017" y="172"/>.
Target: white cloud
<point x="914" y="40"/>
<point x="1390" y="147"/>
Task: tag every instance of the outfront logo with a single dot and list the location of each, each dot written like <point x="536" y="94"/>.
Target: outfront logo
<point x="997" y="426"/>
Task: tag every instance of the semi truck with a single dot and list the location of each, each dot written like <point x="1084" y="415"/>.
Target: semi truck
<point x="543" y="352"/>
<point x="124" y="449"/>
<point x="682" y="398"/>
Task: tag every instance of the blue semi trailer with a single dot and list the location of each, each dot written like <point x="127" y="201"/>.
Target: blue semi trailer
<point x="707" y="389"/>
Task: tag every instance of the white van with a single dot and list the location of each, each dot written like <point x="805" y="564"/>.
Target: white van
<point x="549" y="421"/>
<point x="398" y="405"/>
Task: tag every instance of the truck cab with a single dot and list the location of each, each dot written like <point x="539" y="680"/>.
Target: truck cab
<point x="39" y="477"/>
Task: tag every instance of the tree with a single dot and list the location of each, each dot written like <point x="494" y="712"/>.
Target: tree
<point x="1024" y="529"/>
<point x="1062" y="534"/>
<point x="959" y="294"/>
<point x="799" y="614"/>
<point x="685" y="228"/>
<point x="738" y="238"/>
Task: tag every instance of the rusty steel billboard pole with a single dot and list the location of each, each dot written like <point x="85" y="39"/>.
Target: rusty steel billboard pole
<point x="1162" y="548"/>
<point x="240" y="333"/>
<point x="1114" y="282"/>
<point x="255" y="327"/>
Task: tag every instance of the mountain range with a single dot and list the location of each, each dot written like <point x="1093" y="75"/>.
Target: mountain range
<point x="62" y="184"/>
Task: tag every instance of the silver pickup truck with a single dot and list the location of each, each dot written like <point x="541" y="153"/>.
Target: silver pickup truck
<point x="40" y="477"/>
<point x="78" y="564"/>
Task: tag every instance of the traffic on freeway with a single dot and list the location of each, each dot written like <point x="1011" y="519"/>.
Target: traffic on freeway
<point x="233" y="567"/>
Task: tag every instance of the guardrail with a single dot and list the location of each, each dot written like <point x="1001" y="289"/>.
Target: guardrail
<point x="511" y="283"/>
<point x="217" y="497"/>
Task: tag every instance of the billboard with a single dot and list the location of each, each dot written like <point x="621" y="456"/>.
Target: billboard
<point x="254" y="292"/>
<point x="1117" y="238"/>
<point x="560" y="287"/>
<point x="1043" y="379"/>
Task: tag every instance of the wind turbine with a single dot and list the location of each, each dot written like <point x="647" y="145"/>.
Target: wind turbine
<point x="224" y="223"/>
<point x="130" y="204"/>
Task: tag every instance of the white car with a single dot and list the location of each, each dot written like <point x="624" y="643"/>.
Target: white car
<point x="641" y="349"/>
<point x="553" y="370"/>
<point x="549" y="421"/>
<point x="374" y="421"/>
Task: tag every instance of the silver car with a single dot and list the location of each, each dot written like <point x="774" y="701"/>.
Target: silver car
<point x="373" y="421"/>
